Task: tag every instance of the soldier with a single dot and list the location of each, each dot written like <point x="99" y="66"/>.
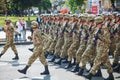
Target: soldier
<point x="108" y="22"/>
<point x="67" y="42"/>
<point x="9" y="30"/>
<point x="83" y="37"/>
<point x="116" y="66"/>
<point x="56" y="34"/>
<point x="103" y="43"/>
<point x="38" y="38"/>
<point x="90" y="49"/>
<point x="74" y="46"/>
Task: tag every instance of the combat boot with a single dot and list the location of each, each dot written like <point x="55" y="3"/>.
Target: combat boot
<point x="99" y="73"/>
<point x="80" y="72"/>
<point x="110" y="77"/>
<point x="59" y="61"/>
<point x="53" y="59"/>
<point x="46" y="72"/>
<point x="66" y="60"/>
<point x="69" y="65"/>
<point x="1" y="55"/>
<point x="76" y="68"/>
<point x="114" y="65"/>
<point x="88" y="76"/>
<point x="46" y="54"/>
<point x="16" y="57"/>
<point x="117" y="69"/>
<point x="31" y="49"/>
<point x="24" y="70"/>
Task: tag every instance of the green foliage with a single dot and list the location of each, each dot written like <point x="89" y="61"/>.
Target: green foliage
<point x="74" y="4"/>
<point x="14" y="19"/>
<point x="45" y="4"/>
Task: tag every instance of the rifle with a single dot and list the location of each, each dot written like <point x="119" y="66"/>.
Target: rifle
<point x="64" y="29"/>
<point x="96" y="37"/>
<point x="72" y="30"/>
<point x="80" y="32"/>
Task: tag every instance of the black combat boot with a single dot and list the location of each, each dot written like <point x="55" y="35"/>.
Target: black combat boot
<point x="80" y="72"/>
<point x="24" y="70"/>
<point x="114" y="65"/>
<point x="16" y="57"/>
<point x="88" y="76"/>
<point x="1" y="55"/>
<point x="66" y="60"/>
<point x="46" y="54"/>
<point x="76" y="68"/>
<point x="99" y="73"/>
<point x="69" y="65"/>
<point x="53" y="59"/>
<point x="31" y="49"/>
<point x="110" y="77"/>
<point x="46" y="72"/>
<point x="117" y="69"/>
<point x="59" y="61"/>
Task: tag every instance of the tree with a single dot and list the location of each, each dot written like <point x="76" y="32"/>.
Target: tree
<point x="44" y="5"/>
<point x="74" y="4"/>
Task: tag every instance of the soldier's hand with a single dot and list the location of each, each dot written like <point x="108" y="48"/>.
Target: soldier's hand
<point x="30" y="37"/>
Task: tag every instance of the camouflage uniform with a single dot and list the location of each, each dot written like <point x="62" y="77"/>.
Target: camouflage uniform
<point x="117" y="49"/>
<point x="38" y="51"/>
<point x="9" y="30"/>
<point x="90" y="51"/>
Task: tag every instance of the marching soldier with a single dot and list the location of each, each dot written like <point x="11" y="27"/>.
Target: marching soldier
<point x="56" y="34"/>
<point x="103" y="43"/>
<point x="116" y="65"/>
<point x="38" y="38"/>
<point x="75" y="44"/>
<point x="90" y="49"/>
<point x="67" y="42"/>
<point x="83" y="37"/>
<point x="9" y="30"/>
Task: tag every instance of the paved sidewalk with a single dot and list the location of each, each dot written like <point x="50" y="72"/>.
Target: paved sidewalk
<point x="3" y="41"/>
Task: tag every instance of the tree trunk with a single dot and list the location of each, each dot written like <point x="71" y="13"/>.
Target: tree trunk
<point x="28" y="14"/>
<point x="112" y="2"/>
<point x="39" y="11"/>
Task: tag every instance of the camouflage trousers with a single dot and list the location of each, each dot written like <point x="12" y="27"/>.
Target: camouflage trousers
<point x="58" y="46"/>
<point x="112" y="47"/>
<point x="101" y="57"/>
<point x="117" y="53"/>
<point x="52" y="46"/>
<point x="37" y="53"/>
<point x="47" y="45"/>
<point x="65" y="47"/>
<point x="88" y="55"/>
<point x="9" y="43"/>
<point x="73" y="48"/>
<point x="79" y="52"/>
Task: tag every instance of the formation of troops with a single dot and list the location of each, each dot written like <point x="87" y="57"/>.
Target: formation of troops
<point x="77" y="40"/>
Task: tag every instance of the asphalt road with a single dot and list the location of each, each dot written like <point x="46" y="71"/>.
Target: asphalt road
<point x="9" y="67"/>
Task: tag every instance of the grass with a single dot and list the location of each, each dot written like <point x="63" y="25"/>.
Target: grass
<point x="14" y="19"/>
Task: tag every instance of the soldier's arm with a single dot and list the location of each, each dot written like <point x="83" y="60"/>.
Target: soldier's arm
<point x="47" y="37"/>
<point x="106" y="38"/>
